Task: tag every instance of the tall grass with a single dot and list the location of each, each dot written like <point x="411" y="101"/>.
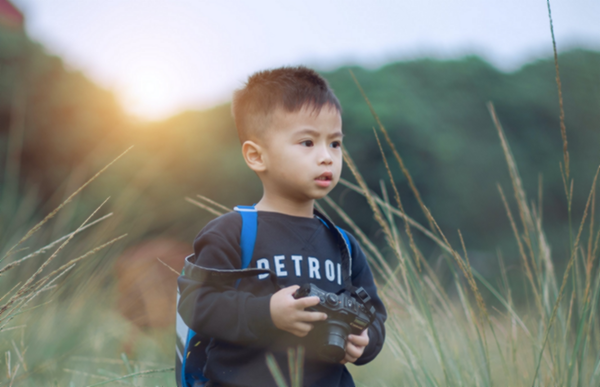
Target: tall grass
<point x="439" y="341"/>
<point x="56" y="291"/>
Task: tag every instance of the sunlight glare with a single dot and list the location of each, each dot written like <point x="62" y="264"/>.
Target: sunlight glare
<point x="149" y="93"/>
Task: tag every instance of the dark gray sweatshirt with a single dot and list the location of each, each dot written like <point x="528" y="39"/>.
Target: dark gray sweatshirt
<point x="298" y="250"/>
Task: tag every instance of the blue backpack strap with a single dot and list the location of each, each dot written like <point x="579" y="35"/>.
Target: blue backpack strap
<point x="248" y="235"/>
<point x="345" y="235"/>
<point x="247" y="240"/>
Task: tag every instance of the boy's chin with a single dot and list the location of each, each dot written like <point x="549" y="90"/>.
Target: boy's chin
<point x="322" y="194"/>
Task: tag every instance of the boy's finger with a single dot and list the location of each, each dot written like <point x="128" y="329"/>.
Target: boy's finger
<point x="361" y="341"/>
<point x="311" y="316"/>
<point x="353" y="351"/>
<point x="305" y="302"/>
<point x="290" y="289"/>
<point x="302" y="328"/>
<point x="348" y="359"/>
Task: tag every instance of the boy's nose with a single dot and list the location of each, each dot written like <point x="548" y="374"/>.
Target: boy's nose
<point x="325" y="157"/>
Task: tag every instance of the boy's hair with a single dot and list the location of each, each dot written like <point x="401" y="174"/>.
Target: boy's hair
<point x="289" y="88"/>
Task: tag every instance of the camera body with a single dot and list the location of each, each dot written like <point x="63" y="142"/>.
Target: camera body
<point x="346" y="315"/>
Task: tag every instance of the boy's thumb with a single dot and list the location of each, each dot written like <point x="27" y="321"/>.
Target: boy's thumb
<point x="290" y="289"/>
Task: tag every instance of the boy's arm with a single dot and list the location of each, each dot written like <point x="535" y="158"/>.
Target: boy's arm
<point x="362" y="276"/>
<point x="221" y="311"/>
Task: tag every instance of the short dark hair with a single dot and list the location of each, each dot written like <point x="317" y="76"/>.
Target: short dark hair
<point x="289" y="88"/>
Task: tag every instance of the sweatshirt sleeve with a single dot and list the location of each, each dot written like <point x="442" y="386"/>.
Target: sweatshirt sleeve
<point x="362" y="276"/>
<point x="221" y="311"/>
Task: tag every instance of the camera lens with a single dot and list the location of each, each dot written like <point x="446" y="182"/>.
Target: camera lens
<point x="334" y="349"/>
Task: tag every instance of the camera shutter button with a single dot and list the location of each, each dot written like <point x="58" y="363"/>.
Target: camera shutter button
<point x="332" y="299"/>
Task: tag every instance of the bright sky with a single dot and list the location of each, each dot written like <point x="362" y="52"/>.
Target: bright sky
<point x="164" y="56"/>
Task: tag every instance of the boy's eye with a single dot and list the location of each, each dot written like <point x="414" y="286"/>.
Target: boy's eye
<point x="307" y="143"/>
<point x="336" y="144"/>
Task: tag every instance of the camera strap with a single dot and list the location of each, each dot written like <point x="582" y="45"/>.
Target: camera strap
<point x="212" y="276"/>
<point x="344" y="246"/>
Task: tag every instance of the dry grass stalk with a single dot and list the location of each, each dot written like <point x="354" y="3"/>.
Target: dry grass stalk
<point x="413" y="245"/>
<point x="64" y="203"/>
<point x="407" y="174"/>
<point x="73" y="261"/>
<point x="24" y="287"/>
<point x="20" y="355"/>
<point x="481" y="305"/>
<point x="471" y="279"/>
<point x="563" y="128"/>
<point x="464" y="269"/>
<point x="222" y="207"/>
<point x="367" y="194"/>
<point x="426" y="304"/>
<point x="400" y="214"/>
<point x="521" y="199"/>
<point x="50" y="245"/>
<point x="10" y="291"/>
<point x="528" y="272"/>
<point x="28" y="297"/>
<point x="398" y="245"/>
<point x="204" y="206"/>
<point x="589" y="261"/>
<point x="168" y="267"/>
<point x="379" y="218"/>
<point x="595" y="251"/>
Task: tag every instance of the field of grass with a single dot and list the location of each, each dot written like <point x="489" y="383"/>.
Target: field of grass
<point x="59" y="326"/>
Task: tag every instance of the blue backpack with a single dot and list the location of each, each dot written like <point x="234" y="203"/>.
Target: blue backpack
<point x="191" y="347"/>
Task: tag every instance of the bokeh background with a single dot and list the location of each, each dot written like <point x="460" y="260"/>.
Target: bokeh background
<point x="82" y="81"/>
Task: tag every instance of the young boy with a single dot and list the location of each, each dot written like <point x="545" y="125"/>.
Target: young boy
<point x="290" y="127"/>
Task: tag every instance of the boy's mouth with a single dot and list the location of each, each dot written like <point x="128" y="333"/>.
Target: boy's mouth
<point x="325" y="176"/>
<point x="324" y="180"/>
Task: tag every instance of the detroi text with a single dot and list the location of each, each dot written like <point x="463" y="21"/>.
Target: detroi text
<point x="296" y="265"/>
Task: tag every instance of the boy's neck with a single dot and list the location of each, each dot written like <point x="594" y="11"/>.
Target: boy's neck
<point x="286" y="206"/>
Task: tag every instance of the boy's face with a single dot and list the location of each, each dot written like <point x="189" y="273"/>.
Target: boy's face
<point x="302" y="153"/>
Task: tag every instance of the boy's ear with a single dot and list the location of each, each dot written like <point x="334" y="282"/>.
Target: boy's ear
<point x="253" y="155"/>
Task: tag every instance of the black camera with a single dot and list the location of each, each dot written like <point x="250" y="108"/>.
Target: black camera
<point x="346" y="315"/>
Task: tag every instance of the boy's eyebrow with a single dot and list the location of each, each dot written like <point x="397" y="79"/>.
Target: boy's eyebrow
<point x="317" y="133"/>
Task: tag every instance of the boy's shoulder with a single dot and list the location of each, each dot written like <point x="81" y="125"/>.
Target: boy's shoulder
<point x="227" y="226"/>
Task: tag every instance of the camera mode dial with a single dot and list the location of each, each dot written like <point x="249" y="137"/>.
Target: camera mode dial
<point x="332" y="299"/>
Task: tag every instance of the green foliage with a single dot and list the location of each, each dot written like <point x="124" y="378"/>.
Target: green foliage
<point x="434" y="111"/>
<point x="460" y="319"/>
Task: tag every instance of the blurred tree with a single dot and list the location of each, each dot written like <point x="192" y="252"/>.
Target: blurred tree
<point x="434" y="111"/>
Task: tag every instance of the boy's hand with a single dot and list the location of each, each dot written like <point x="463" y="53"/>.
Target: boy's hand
<point x="355" y="346"/>
<point x="288" y="313"/>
